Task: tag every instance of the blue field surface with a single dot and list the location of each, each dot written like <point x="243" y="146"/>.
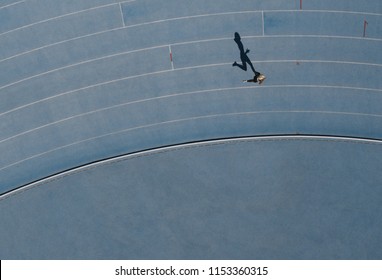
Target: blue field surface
<point x="95" y="82"/>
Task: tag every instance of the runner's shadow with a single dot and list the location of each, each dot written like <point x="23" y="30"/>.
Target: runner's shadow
<point x="243" y="55"/>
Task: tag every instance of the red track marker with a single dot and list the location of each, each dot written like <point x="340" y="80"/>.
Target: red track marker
<point x="365" y="23"/>
<point x="172" y="62"/>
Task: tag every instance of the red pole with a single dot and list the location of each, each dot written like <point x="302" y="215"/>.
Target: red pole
<point x="365" y="23"/>
<point x="300" y="4"/>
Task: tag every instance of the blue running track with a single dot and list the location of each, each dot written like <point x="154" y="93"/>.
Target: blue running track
<point x="126" y="133"/>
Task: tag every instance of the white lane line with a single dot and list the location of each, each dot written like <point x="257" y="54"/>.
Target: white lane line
<point x="120" y="28"/>
<point x="68" y="40"/>
<point x="197" y="16"/>
<point x="105" y="31"/>
<point x="321" y="61"/>
<point x="322" y="36"/>
<point x="80" y="63"/>
<point x="172" y="63"/>
<point x="324" y="11"/>
<point x="262" y="19"/>
<point x="85" y="88"/>
<point x="322" y="86"/>
<point x="58" y="17"/>
<point x="123" y="105"/>
<point x="280" y="36"/>
<point x="62" y="42"/>
<point x="245" y="12"/>
<point x="198" y="41"/>
<point x="12" y="4"/>
<point x="249" y="113"/>
<point x="179" y="95"/>
<point x="133" y="155"/>
<point x="192" y="17"/>
<point x="126" y="26"/>
<point x="127" y="1"/>
<point x="166" y="71"/>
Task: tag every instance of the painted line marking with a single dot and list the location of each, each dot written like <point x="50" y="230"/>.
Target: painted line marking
<point x="168" y="96"/>
<point x="115" y="29"/>
<point x="325" y="11"/>
<point x="58" y="17"/>
<point x="195" y="16"/>
<point x="9" y="5"/>
<point x="186" y="120"/>
<point x="79" y="63"/>
<point x="183" y="146"/>
<point x="122" y="18"/>
<point x="172" y="62"/>
<point x="262" y="19"/>
<point x="182" y="43"/>
<point x="196" y="41"/>
<point x="165" y="71"/>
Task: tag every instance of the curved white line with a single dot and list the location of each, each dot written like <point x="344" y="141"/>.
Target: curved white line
<point x="177" y="69"/>
<point x="324" y="11"/>
<point x="200" y="41"/>
<point x="191" y="17"/>
<point x="80" y="63"/>
<point x="185" y="120"/>
<point x="84" y="88"/>
<point x="12" y="4"/>
<point x="178" y="95"/>
<point x="161" y="46"/>
<point x="122" y="105"/>
<point x="190" y="145"/>
<point x="170" y="70"/>
<point x="185" y="17"/>
<point x="58" y="17"/>
<point x="180" y="18"/>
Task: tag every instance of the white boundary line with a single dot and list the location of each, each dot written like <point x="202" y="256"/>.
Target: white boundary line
<point x="123" y="105"/>
<point x="63" y="42"/>
<point x="127" y="26"/>
<point x="58" y="17"/>
<point x="121" y="28"/>
<point x="9" y="5"/>
<point x="192" y="17"/>
<point x="80" y="63"/>
<point x="175" y="44"/>
<point x="323" y="11"/>
<point x="172" y="64"/>
<point x="179" y="95"/>
<point x="190" y="145"/>
<point x="87" y="87"/>
<point x="203" y="40"/>
<point x="189" y="17"/>
<point x="185" y="120"/>
<point x="177" y="69"/>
